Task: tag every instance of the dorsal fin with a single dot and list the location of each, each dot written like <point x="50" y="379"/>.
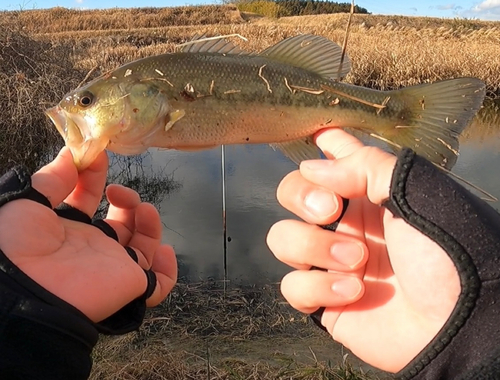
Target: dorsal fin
<point x="313" y="53"/>
<point x="202" y="44"/>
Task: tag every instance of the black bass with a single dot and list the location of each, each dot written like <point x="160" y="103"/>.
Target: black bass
<point x="213" y="93"/>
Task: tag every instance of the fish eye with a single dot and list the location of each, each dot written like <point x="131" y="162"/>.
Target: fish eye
<point x="86" y="99"/>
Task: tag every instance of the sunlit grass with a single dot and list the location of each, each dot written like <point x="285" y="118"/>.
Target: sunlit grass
<point x="44" y="54"/>
<point x="203" y="332"/>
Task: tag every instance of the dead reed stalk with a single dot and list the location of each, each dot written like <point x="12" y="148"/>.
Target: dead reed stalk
<point x="33" y="75"/>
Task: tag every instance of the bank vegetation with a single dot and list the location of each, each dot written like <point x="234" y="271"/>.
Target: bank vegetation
<point x="46" y="53"/>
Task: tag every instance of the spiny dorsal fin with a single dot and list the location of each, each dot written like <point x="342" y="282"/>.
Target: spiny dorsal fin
<point x="313" y="53"/>
<point x="212" y="45"/>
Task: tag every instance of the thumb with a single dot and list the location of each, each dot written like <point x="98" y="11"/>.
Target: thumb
<point x="354" y="170"/>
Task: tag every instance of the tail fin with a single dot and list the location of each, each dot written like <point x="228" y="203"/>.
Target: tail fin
<point x="439" y="113"/>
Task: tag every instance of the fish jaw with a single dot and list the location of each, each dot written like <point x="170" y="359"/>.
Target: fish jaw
<point x="77" y="137"/>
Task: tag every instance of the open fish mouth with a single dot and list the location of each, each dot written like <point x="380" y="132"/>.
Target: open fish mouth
<point x="65" y="125"/>
<point x="83" y="147"/>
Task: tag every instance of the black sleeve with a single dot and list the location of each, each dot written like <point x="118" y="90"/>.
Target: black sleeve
<point x="42" y="342"/>
<point x="468" y="229"/>
<point x="43" y="337"/>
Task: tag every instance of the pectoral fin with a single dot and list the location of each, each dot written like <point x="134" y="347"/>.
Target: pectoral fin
<point x="174" y="117"/>
<point x="299" y="150"/>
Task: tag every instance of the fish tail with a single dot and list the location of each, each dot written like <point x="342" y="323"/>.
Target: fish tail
<point x="437" y="114"/>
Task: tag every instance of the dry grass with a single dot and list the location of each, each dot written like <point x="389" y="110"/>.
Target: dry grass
<point x="33" y="75"/>
<point x="43" y="54"/>
<point x="486" y="125"/>
<point x="387" y="52"/>
<point x="207" y="310"/>
<point x="202" y="332"/>
<point x="61" y="19"/>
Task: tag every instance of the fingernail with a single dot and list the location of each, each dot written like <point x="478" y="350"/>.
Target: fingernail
<point x="349" y="254"/>
<point x="347" y="288"/>
<point x="321" y="203"/>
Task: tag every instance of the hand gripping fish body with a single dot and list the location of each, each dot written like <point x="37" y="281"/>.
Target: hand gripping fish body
<point x="213" y="93"/>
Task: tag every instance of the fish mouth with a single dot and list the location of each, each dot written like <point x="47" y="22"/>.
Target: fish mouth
<point x="75" y="132"/>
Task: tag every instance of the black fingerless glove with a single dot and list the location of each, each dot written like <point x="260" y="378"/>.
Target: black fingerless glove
<point x="468" y="229"/>
<point x="42" y="336"/>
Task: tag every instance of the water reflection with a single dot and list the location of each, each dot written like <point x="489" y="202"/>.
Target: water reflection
<point x="480" y="151"/>
<point x="193" y="215"/>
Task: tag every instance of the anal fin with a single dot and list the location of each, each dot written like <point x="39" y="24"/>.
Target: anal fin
<point x="299" y="150"/>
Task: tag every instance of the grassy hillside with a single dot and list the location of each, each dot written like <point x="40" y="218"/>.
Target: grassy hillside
<point x="45" y="53"/>
<point x="387" y="51"/>
<point x="61" y="19"/>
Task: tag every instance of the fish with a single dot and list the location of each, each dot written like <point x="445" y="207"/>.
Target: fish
<point x="212" y="92"/>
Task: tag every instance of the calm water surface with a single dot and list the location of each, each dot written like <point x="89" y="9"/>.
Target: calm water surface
<point x="192" y="214"/>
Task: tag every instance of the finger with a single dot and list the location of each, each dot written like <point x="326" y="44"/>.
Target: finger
<point x="165" y="268"/>
<point x="302" y="246"/>
<point x="313" y="203"/>
<point x="56" y="179"/>
<point x="87" y="194"/>
<point x="307" y="291"/>
<point x="365" y="172"/>
<point x="147" y="234"/>
<point x="123" y="202"/>
<point x="337" y="143"/>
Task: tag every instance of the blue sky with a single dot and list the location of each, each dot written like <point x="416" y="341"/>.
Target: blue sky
<point x="477" y="9"/>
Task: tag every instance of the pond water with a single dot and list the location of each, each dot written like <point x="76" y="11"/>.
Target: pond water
<point x="192" y="212"/>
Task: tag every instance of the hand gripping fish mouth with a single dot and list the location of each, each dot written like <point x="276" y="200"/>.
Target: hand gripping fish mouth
<point x="76" y="135"/>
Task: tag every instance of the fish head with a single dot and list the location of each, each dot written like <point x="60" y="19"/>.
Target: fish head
<point x="108" y="112"/>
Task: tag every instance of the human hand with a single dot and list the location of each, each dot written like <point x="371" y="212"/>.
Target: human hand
<point x="76" y="261"/>
<point x="389" y="289"/>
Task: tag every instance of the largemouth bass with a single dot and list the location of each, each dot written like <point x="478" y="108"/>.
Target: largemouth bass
<point x="214" y="93"/>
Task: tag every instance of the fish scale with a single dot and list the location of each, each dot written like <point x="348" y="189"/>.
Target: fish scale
<point x="213" y="93"/>
<point x="238" y="86"/>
